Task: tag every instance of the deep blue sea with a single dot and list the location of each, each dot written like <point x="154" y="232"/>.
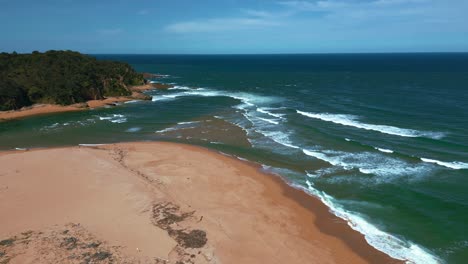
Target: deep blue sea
<point x="382" y="139"/>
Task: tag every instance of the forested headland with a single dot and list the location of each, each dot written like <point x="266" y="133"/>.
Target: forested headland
<point x="61" y="77"/>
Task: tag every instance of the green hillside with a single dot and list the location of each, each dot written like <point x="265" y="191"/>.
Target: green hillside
<point x="61" y="77"/>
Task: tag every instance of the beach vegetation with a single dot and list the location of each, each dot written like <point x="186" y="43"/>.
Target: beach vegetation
<point x="61" y="77"/>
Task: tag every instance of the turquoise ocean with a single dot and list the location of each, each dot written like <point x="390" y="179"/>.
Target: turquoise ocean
<point x="381" y="139"/>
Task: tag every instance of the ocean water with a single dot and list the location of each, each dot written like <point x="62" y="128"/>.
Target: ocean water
<point x="382" y="139"/>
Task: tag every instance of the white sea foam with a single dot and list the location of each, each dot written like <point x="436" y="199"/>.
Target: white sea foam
<point x="386" y="168"/>
<point x="259" y="131"/>
<point x="186" y="88"/>
<point x="290" y="145"/>
<point x="114" y="118"/>
<point x="269" y="120"/>
<point x="90" y="145"/>
<point x="172" y="96"/>
<point x="225" y="154"/>
<point x="248" y="117"/>
<point x="52" y="126"/>
<point x="133" y="129"/>
<point x="178" y="87"/>
<point x="247" y="99"/>
<point x="384" y="150"/>
<point x="132" y="101"/>
<point x="59" y="126"/>
<point x="279" y="137"/>
<point x="204" y="93"/>
<point x="321" y="156"/>
<point x="163" y="98"/>
<point x="251" y="99"/>
<point x="309" y="184"/>
<point x="239" y="158"/>
<point x="385" y="242"/>
<point x="250" y="104"/>
<point x="119" y="121"/>
<point x="352" y="121"/>
<point x="167" y="97"/>
<point x="188" y="123"/>
<point x="321" y="172"/>
<point x="179" y="126"/>
<point x="456" y="165"/>
<point x="393" y="246"/>
<point x="264" y="111"/>
<point x="347" y="139"/>
<point x="21" y="149"/>
<point x="164" y="75"/>
<point x="166" y="130"/>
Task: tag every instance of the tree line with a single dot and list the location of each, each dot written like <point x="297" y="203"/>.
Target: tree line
<point x="61" y="77"/>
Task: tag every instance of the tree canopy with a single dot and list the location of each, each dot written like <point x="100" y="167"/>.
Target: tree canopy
<point x="61" y="77"/>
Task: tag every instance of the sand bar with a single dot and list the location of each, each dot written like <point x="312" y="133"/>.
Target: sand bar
<point x="152" y="202"/>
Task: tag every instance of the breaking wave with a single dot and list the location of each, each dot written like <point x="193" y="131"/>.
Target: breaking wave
<point x="386" y="168"/>
<point x="385" y="242"/>
<point x="353" y="121"/>
<point x="456" y="165"/>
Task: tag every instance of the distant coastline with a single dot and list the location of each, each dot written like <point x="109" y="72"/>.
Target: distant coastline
<point x="62" y="78"/>
<point x="40" y="109"/>
<point x="64" y="81"/>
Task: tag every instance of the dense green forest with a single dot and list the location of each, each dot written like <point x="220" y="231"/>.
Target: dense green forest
<point x="61" y="77"/>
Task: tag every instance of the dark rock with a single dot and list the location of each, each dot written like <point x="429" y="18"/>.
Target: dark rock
<point x="7" y="242"/>
<point x="69" y="243"/>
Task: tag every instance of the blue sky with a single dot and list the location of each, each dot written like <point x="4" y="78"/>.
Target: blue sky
<point x="234" y="26"/>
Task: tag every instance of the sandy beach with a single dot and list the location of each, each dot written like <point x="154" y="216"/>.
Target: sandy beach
<point x="40" y="109"/>
<point x="162" y="203"/>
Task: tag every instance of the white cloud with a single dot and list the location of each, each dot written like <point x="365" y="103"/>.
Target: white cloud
<point x="333" y="5"/>
<point x="338" y="17"/>
<point x="315" y="6"/>
<point x="339" y="11"/>
<point x="398" y="2"/>
<point x="219" y="24"/>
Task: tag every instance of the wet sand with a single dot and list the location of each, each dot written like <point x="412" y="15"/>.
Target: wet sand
<point x="151" y="202"/>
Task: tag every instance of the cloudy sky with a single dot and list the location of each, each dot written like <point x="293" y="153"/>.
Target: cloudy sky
<point x="234" y="26"/>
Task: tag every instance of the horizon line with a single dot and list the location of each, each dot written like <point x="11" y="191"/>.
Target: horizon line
<point x="299" y="53"/>
<point x="243" y="54"/>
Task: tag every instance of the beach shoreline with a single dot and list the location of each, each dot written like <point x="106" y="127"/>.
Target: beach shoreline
<point x="248" y="216"/>
<point x="41" y="109"/>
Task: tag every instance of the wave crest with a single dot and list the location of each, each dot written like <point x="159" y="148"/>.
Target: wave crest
<point x="352" y="121"/>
